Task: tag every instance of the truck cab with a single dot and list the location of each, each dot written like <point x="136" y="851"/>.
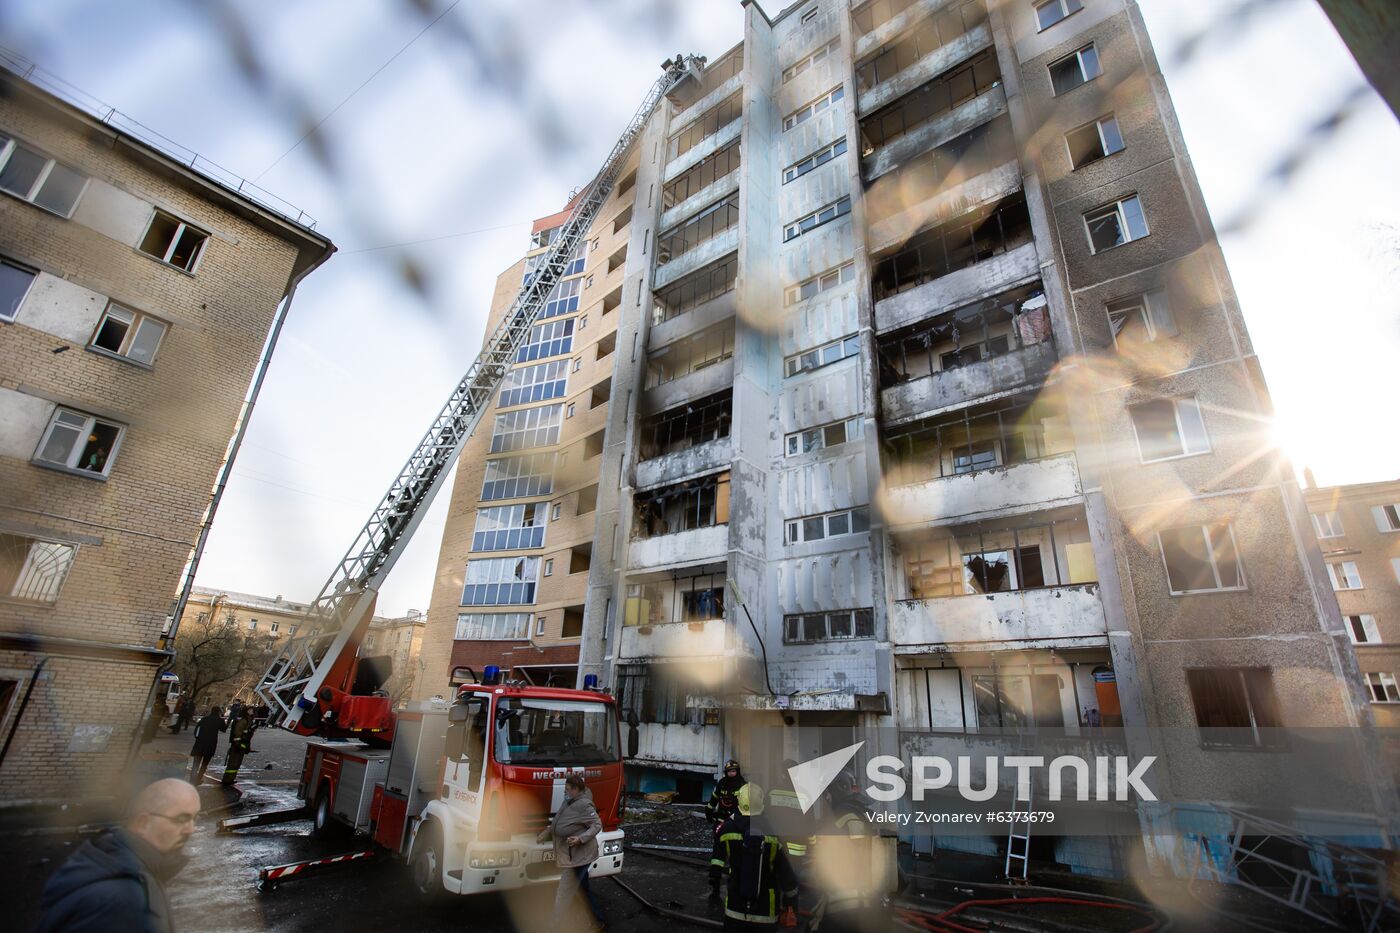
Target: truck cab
<point x="507" y="753"/>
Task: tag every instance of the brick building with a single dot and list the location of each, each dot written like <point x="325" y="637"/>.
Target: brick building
<point x="136" y="296"/>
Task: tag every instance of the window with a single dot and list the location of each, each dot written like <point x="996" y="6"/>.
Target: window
<point x="1015" y="701"/>
<point x="924" y="176"/>
<point x="1328" y="524"/>
<point x="1383" y="688"/>
<point x="815" y="219"/>
<point x="581" y="558"/>
<point x="1094" y="141"/>
<point x="815" y="58"/>
<point x="563" y="298"/>
<point x="828" y="626"/>
<point x="700" y="176"/>
<point x="1075" y="69"/>
<point x="527" y="427"/>
<point x="831" y="525"/>
<point x="820" y="438"/>
<point x="878" y="12"/>
<point x="31" y="569"/>
<point x="538" y="383"/>
<point x="554" y="512"/>
<point x="1234" y="706"/>
<point x="38" y="179"/>
<point x="922" y="37"/>
<point x="487" y="626"/>
<point x="541" y="238"/>
<point x="273" y="627"/>
<point x="1201" y="558"/>
<point x="14" y="285"/>
<point x="1387" y="517"/>
<point x="128" y="333"/>
<point x="686" y="506"/>
<point x="810" y="15"/>
<point x="80" y="442"/>
<point x="966" y="336"/>
<point x="569" y="412"/>
<point x="1115" y="224"/>
<point x="963" y="241"/>
<point x="1140" y="319"/>
<point x="1050" y="12"/>
<point x="1169" y="428"/>
<point x="817" y="284"/>
<point x="508" y="527"/>
<point x="1344" y="575"/>
<point x="695" y="289"/>
<point x="539" y="626"/>
<point x="996" y="558"/>
<point x="623" y="218"/>
<point x="701" y="228"/>
<point x="549" y="567"/>
<point x="548" y="339"/>
<point x="820" y="157"/>
<point x="252" y="625"/>
<point x="1019" y="429"/>
<point x="707" y="124"/>
<point x="606" y="345"/>
<point x="171" y="240"/>
<point x="654" y="697"/>
<point x="514" y="477"/>
<point x="686" y="426"/>
<point x="1362" y="630"/>
<point x="808" y="111"/>
<point x="808" y="360"/>
<point x="501" y="581"/>
<point x="929" y="100"/>
<point x="578" y="364"/>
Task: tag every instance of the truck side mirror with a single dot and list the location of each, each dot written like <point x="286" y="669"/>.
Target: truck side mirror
<point x="458" y="713"/>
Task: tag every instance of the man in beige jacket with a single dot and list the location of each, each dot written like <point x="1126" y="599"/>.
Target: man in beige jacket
<point x="574" y="831"/>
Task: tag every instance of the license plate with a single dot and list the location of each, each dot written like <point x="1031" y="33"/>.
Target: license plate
<point x="547" y="855"/>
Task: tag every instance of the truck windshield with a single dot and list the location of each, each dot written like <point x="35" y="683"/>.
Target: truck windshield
<point x="555" y="732"/>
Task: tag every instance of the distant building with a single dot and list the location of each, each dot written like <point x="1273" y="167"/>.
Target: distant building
<point x="136" y="297"/>
<point x="401" y="640"/>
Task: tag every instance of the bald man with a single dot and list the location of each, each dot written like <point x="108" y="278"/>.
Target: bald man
<point x="116" y="881"/>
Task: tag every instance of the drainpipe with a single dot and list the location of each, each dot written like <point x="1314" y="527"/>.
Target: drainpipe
<point x="219" y="486"/>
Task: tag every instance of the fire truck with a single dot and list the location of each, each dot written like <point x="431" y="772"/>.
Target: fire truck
<point x="458" y="787"/>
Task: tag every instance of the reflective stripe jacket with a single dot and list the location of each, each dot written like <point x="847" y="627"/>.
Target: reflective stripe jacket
<point x="758" y="871"/>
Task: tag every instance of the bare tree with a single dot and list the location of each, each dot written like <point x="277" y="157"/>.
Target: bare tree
<point x="212" y="651"/>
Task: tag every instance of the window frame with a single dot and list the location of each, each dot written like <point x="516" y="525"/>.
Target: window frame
<point x="1204" y="529"/>
<point x="820" y="157"/>
<point x="1180" y="432"/>
<point x="1253" y="710"/>
<point x="1370" y="632"/>
<point x="1335" y="572"/>
<point x="133" y="327"/>
<point x="1064" y="7"/>
<point x="796" y="622"/>
<point x="56" y="588"/>
<point x="181" y="226"/>
<point x="10" y="318"/>
<point x="1098" y="126"/>
<point x="9" y="145"/>
<point x="1084" y="76"/>
<point x="793" y="442"/>
<point x="794" y="529"/>
<point x="1116" y="208"/>
<point x="840" y="208"/>
<point x="488" y="631"/>
<point x="1334" y="525"/>
<point x="816" y="56"/>
<point x="89" y="423"/>
<point x="1388" y="685"/>
<point x="813" y="107"/>
<point x="845" y="273"/>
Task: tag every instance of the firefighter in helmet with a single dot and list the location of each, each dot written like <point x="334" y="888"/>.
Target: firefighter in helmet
<point x="761" y="880"/>
<point x="848" y="866"/>
<point x="722" y="805"/>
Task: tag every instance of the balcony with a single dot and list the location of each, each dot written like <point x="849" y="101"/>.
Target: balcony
<point x="689" y="505"/>
<point x="1048" y="617"/>
<point x="984" y="349"/>
<point x="712" y="249"/>
<point x="694" y="303"/>
<point x="995" y="492"/>
<point x="939" y="66"/>
<point x="694" y="461"/>
<point x="713" y="376"/>
<point x="688" y="425"/>
<point x="678" y="640"/>
<point x="715" y="129"/>
<point x="712" y="179"/>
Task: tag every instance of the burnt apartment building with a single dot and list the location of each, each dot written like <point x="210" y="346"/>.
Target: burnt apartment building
<point x="927" y="411"/>
<point x="138" y="286"/>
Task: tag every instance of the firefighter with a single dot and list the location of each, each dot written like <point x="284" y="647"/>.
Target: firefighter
<point x="785" y="810"/>
<point x="240" y="740"/>
<point x="761" y="880"/>
<point x="844" y="866"/>
<point x="721" y="806"/>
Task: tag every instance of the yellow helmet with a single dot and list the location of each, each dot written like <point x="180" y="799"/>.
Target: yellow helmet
<point x="750" y="798"/>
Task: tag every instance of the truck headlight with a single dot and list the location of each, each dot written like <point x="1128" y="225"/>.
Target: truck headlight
<point x="492" y="860"/>
<point x="612" y="847"/>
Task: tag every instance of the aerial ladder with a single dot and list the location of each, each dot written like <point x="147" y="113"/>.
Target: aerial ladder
<point x="314" y="685"/>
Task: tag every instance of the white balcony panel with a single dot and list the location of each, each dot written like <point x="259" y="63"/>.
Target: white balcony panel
<point x="674" y="640"/>
<point x="699" y="545"/>
<point x="684" y="464"/>
<point x="1056" y="616"/>
<point x="999" y="491"/>
<point x="959" y="289"/>
<point x="702" y="255"/>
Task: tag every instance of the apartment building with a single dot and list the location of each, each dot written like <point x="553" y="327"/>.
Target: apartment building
<point x="935" y="415"/>
<point x="136" y="296"/>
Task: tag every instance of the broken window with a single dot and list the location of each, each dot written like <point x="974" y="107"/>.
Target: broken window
<point x="809" y="110"/>
<point x="950" y="22"/>
<point x="817" y="218"/>
<point x="1235" y="707"/>
<point x="1075" y="69"/>
<point x="1328" y="524"/>
<point x="997" y="558"/>
<point x="1168" y="428"/>
<point x="810" y="288"/>
<point x="700" y="176"/>
<point x="687" y="425"/>
<point x="128" y="333"/>
<point x="38" y="179"/>
<point x="695" y="289"/>
<point x="654" y="697"/>
<point x="524" y="384"/>
<point x="527" y="427"/>
<point x="14" y="286"/>
<point x="690" y="354"/>
<point x="1050" y="12"/>
<point x="696" y="503"/>
<point x="822" y="156"/>
<point x="493" y="626"/>
<point x="931" y="99"/>
<point x="1017" y="701"/>
<point x="33" y="570"/>
<point x="825" y="355"/>
<point x="508" y="527"/>
<point x="80" y="442"/>
<point x="1017" y="430"/>
<point x="1140" y="319"/>
<point x="514" y="477"/>
<point x="1382" y="687"/>
<point x="822" y="437"/>
<point x="840" y="625"/>
<point x="704" y="226"/>
<point x="831" y="525"/>
<point x="1363" y="630"/>
<point x="1115" y="224"/>
<point x="1201" y="558"/>
<point x="978" y="332"/>
<point x="926" y="175"/>
<point x="706" y="125"/>
<point x="1344" y="575"/>
<point x="501" y="581"/>
<point x="1094" y="141"/>
<point x="961" y="242"/>
<point x="171" y="240"/>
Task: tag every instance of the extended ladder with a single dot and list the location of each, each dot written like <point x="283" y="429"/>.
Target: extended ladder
<point x="1018" y="837"/>
<point x="328" y="636"/>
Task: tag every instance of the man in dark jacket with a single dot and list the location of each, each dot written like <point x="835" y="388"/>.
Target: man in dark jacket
<point x="722" y="806"/>
<point x="116" y="882"/>
<point x="761" y="880"/>
<point x="206" y="743"/>
<point x="240" y="743"/>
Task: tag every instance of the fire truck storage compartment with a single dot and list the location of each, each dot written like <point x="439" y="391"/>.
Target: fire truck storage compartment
<point x="415" y="761"/>
<point x="354" y="792"/>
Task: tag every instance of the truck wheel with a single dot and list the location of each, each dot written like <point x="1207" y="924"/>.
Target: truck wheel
<point x="425" y="867"/>
<point x="323" y="822"/>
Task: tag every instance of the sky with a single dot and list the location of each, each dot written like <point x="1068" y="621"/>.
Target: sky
<point x="486" y="120"/>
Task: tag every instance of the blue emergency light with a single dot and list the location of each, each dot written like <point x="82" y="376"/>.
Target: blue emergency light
<point x="590" y="681"/>
<point x="491" y="674"/>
